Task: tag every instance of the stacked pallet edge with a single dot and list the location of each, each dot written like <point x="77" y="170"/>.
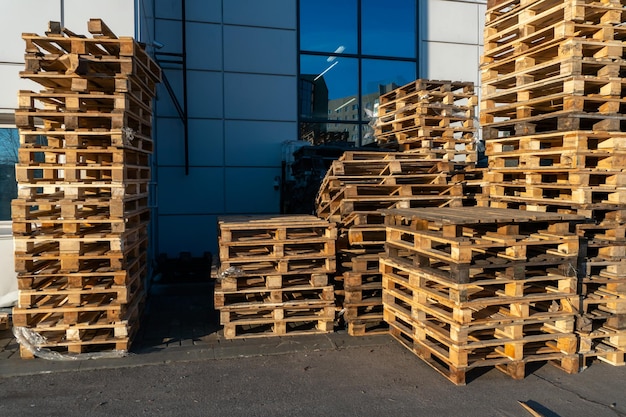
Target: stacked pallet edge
<point x="553" y="118"/>
<point x="80" y="220"/>
<point x="274" y="275"/>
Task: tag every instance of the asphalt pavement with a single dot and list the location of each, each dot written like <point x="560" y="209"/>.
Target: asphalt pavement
<point x="182" y="366"/>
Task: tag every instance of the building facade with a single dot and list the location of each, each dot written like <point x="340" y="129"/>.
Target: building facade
<point x="241" y="70"/>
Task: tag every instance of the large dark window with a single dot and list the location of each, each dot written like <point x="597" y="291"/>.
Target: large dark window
<point x="351" y="52"/>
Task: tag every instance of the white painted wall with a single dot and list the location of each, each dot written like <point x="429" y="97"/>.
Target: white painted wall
<point x="19" y="16"/>
<point x="451" y="39"/>
<point x="8" y="277"/>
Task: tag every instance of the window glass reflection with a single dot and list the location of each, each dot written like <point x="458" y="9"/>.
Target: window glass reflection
<point x="388" y="28"/>
<point x="325" y="133"/>
<point x="381" y="76"/>
<point x="9" y="144"/>
<point x="328" y="89"/>
<point x="327" y="26"/>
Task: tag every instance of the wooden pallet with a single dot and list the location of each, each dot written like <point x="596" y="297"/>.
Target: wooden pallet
<point x="287" y="320"/>
<point x="56" y="290"/>
<point x="455" y="235"/>
<point x="273" y="298"/>
<point x="466" y="303"/>
<point x="555" y="176"/>
<point x="512" y="12"/>
<point x="603" y="97"/>
<point x="235" y="283"/>
<point x="74" y="262"/>
<point x="294" y="264"/>
<point x="125" y="138"/>
<point x="95" y="274"/>
<point x="49" y="165"/>
<point x="95" y="331"/>
<point x="56" y="312"/>
<point x="342" y="206"/>
<point x="104" y="43"/>
<point x="545" y="205"/>
<point x="573" y="195"/>
<point x="258" y="252"/>
<point x="501" y="46"/>
<point x="600" y="41"/>
<point x="360" y="261"/>
<point x="48" y="221"/>
<point x="443" y="91"/>
<point x="455" y="364"/>
<point x="78" y="120"/>
<point x="274" y="228"/>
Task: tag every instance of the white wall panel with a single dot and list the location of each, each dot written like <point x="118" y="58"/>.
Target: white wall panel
<point x="204" y="46"/>
<point x="482" y="9"/>
<point x="196" y="234"/>
<point x="452" y="21"/>
<point x="260" y="97"/>
<point x="200" y="192"/>
<point x="447" y="61"/>
<point x="260" y="50"/>
<point x="267" y="13"/>
<point x="251" y="190"/>
<point x="11" y="83"/>
<point x="119" y="15"/>
<point x="19" y="16"/>
<point x="261" y="140"/>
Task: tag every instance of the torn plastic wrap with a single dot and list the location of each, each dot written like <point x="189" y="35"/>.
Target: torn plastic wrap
<point x="33" y="342"/>
<point x="230" y="272"/>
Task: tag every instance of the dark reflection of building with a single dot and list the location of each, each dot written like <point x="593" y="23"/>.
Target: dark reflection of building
<point x="314" y="106"/>
<point x="346" y="110"/>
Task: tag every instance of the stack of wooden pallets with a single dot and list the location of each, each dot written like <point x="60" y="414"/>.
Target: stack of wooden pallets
<point x="602" y="327"/>
<point x="481" y="287"/>
<point x="274" y="273"/>
<point x="553" y="117"/>
<point x="80" y="221"/>
<point x="429" y="117"/>
<point x="353" y="191"/>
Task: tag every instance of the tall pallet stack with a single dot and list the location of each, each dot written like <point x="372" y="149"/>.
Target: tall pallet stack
<point x="274" y="274"/>
<point x="429" y="117"/>
<point x="355" y="187"/>
<point x="553" y="120"/>
<point x="481" y="287"/>
<point x="80" y="220"/>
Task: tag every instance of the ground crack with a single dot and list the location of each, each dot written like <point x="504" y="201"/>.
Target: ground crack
<point x="554" y="384"/>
